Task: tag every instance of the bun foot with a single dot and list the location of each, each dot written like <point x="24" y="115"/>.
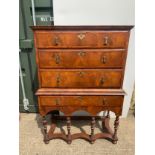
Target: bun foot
<point x="69" y="142"/>
<point x="114" y="141"/>
<point x="92" y="142"/>
<point x="46" y="141"/>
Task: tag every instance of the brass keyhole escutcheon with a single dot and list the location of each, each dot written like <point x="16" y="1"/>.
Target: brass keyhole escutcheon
<point x="57" y="102"/>
<point x="81" y="74"/>
<point x="80" y="99"/>
<point x="81" y="36"/>
<point x="82" y="53"/>
<point x="58" y="80"/>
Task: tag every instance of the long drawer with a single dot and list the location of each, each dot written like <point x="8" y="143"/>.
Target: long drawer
<point x="81" y="58"/>
<point x="80" y="78"/>
<point x="112" y="101"/>
<point x="82" y="39"/>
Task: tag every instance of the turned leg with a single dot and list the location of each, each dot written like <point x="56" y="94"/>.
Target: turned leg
<point x="116" y="124"/>
<point x="69" y="130"/>
<point x="108" y="115"/>
<point x="105" y="120"/>
<point x="45" y="130"/>
<point x="53" y="124"/>
<point x="92" y="130"/>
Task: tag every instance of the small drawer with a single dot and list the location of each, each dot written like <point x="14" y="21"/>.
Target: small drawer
<point x="82" y="39"/>
<point x="106" y="101"/>
<point x="81" y="58"/>
<point x="81" y="78"/>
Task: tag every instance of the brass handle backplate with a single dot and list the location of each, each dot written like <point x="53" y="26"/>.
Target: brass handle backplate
<point x="56" y="41"/>
<point x="102" y="81"/>
<point x="106" y="40"/>
<point x="104" y="59"/>
<point x="57" y="58"/>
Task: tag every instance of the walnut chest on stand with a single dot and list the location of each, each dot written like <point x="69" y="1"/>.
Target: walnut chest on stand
<point x="81" y="68"/>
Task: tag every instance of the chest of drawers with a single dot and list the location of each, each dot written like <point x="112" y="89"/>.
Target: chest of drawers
<point x="81" y="68"/>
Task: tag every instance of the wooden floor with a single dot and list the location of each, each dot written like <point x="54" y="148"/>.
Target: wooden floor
<point x="31" y="138"/>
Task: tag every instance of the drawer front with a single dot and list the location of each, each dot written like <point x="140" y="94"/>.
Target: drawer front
<point x="109" y="101"/>
<point x="86" y="78"/>
<point x="81" y="58"/>
<point x="106" y="39"/>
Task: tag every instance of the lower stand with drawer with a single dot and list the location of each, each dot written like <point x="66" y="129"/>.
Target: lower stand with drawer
<point x="91" y="100"/>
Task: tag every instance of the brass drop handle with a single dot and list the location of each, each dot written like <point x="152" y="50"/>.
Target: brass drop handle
<point x="57" y="102"/>
<point x="105" y="102"/>
<point x="106" y="40"/>
<point x="58" y="80"/>
<point x="102" y="81"/>
<point x="104" y="59"/>
<point x="56" y="41"/>
<point x="57" y="58"/>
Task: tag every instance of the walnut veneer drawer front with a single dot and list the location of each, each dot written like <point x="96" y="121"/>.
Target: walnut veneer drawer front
<point x="81" y="58"/>
<point x="82" y="39"/>
<point x="112" y="101"/>
<point x="81" y="78"/>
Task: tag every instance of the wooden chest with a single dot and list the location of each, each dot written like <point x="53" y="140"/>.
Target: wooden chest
<point x="81" y="68"/>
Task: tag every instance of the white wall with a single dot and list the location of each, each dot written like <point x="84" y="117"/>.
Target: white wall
<point x="101" y="12"/>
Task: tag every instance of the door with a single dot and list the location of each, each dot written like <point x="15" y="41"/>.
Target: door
<point x="44" y="16"/>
